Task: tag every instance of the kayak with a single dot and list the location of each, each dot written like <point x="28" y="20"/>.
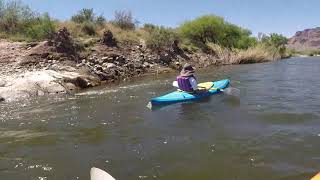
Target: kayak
<point x="181" y="96"/>
<point x="316" y="177"/>
<point x="98" y="174"/>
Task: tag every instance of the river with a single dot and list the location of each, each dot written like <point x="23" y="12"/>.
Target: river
<point x="271" y="132"/>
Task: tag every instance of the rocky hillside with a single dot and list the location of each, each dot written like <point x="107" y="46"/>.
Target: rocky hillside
<point x="306" y="39"/>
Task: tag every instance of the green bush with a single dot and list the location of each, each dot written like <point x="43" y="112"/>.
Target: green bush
<point x="149" y="27"/>
<point x="42" y="28"/>
<point x="202" y="30"/>
<point x="276" y="43"/>
<point x="161" y="38"/>
<point x="88" y="21"/>
<point x="214" y="29"/>
<point x="18" y="21"/>
<point x="246" y="42"/>
<point x="101" y="20"/>
<point x="88" y="28"/>
<point x="274" y="39"/>
<point x="84" y="15"/>
<point x="14" y="16"/>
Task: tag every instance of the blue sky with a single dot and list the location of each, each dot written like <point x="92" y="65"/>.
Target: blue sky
<point x="280" y="16"/>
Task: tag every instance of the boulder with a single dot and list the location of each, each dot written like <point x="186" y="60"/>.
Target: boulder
<point x="104" y="58"/>
<point x="2" y="83"/>
<point x="109" y="65"/>
<point x="70" y="87"/>
<point x="53" y="88"/>
<point x="79" y="82"/>
<point x="98" y="67"/>
<point x="39" y="83"/>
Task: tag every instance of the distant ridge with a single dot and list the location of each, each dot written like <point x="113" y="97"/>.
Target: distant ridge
<point x="308" y="39"/>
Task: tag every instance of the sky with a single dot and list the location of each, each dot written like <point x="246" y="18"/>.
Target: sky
<point x="266" y="16"/>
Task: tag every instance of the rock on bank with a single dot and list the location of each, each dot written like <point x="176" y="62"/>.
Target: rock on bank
<point x="43" y="82"/>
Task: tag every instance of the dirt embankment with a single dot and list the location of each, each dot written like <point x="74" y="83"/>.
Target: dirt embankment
<point x="60" y="66"/>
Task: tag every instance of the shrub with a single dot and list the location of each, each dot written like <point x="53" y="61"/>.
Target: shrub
<point x="202" y="30"/>
<point x="84" y="15"/>
<point x="149" y="27"/>
<point x="88" y="28"/>
<point x="18" y="21"/>
<point x="274" y="39"/>
<point x="275" y="42"/>
<point x="246" y="42"/>
<point x="41" y="29"/>
<point x="161" y="38"/>
<point x="101" y="20"/>
<point x="14" y="16"/>
<point x="89" y="23"/>
<point x="124" y="20"/>
<point x="214" y="29"/>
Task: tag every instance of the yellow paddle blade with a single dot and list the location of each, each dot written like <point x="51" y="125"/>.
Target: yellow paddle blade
<point x="317" y="177"/>
<point x="206" y="85"/>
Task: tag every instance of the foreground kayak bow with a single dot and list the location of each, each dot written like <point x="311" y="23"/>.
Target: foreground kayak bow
<point x="98" y="174"/>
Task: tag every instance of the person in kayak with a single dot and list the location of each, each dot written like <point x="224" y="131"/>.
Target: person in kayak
<point x="187" y="81"/>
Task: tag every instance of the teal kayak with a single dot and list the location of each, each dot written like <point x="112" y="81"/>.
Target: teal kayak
<point x="181" y="96"/>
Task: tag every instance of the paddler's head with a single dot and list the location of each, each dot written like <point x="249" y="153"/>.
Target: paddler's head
<point x="187" y="70"/>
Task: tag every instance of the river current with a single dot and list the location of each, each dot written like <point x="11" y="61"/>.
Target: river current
<point x="271" y="132"/>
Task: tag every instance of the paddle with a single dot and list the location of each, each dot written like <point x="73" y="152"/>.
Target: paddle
<point x="206" y="85"/>
<point x="231" y="91"/>
<point x="98" y="174"/>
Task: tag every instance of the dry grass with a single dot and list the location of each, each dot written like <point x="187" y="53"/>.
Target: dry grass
<point x="257" y="54"/>
<point x="74" y="28"/>
<point x="123" y="36"/>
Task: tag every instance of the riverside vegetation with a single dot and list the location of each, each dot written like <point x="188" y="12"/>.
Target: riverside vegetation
<point x="42" y="55"/>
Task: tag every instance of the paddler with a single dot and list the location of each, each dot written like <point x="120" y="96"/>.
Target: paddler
<point x="187" y="81"/>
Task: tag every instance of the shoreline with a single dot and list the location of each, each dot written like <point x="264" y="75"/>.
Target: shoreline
<point x="37" y="69"/>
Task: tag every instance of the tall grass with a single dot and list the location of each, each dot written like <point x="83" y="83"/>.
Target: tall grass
<point x="257" y="54"/>
<point x="160" y="38"/>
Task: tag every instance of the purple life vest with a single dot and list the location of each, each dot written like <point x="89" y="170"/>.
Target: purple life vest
<point x="184" y="83"/>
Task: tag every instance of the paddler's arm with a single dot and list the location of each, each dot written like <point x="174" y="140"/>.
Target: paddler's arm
<point x="193" y="83"/>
